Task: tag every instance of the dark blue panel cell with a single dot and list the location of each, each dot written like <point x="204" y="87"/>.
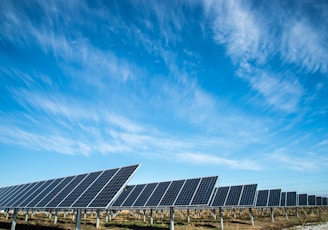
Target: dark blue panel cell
<point x="291" y="199"/>
<point x="248" y="195"/>
<point x="144" y="196"/>
<point x="24" y="191"/>
<point x="126" y="192"/>
<point x="318" y="200"/>
<point x="324" y="201"/>
<point x="187" y="192"/>
<point x="36" y="191"/>
<point x="302" y="200"/>
<point x="262" y="198"/>
<point x="234" y="195"/>
<point x="10" y="195"/>
<point x="78" y="190"/>
<point x="44" y="193"/>
<point x="67" y="190"/>
<point x="134" y="195"/>
<point x="110" y="191"/>
<point x="274" y="198"/>
<point x="172" y="193"/>
<point x="220" y="196"/>
<point x="311" y="200"/>
<point x="95" y="188"/>
<point x="204" y="191"/>
<point x="283" y="199"/>
<point x="157" y="194"/>
<point x="22" y="197"/>
<point x="60" y="186"/>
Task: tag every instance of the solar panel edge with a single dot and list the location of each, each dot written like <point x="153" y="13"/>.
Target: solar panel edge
<point x="167" y="188"/>
<point x="118" y="169"/>
<point x="124" y="184"/>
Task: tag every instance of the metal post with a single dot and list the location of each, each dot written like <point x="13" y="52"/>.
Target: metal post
<point x="26" y="216"/>
<point x="106" y="215"/>
<point x="98" y="218"/>
<point x="7" y="214"/>
<point x="286" y="213"/>
<point x="171" y="218"/>
<point x="85" y="213"/>
<point x="56" y="217"/>
<point x="214" y="215"/>
<point x="188" y="216"/>
<point x="13" y="223"/>
<point x="297" y="214"/>
<point x="151" y="217"/>
<point x="221" y="218"/>
<point x="272" y="214"/>
<point x="251" y="216"/>
<point x="78" y="220"/>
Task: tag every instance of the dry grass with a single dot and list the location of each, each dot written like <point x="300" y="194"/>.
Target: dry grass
<point x="200" y="220"/>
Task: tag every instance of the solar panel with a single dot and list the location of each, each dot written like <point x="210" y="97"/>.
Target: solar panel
<point x="318" y="200"/>
<point x="234" y="195"/>
<point x="44" y="193"/>
<point x="93" y="190"/>
<point x="302" y="200"/>
<point x="187" y="192"/>
<point x="60" y="186"/>
<point x="311" y="200"/>
<point x="283" y="199"/>
<point x="134" y="195"/>
<point x="248" y="195"/>
<point x="109" y="192"/>
<point x="274" y="198"/>
<point x="204" y="191"/>
<point x="220" y="197"/>
<point x="324" y="201"/>
<point x="18" y="193"/>
<point x="15" y="190"/>
<point x="172" y="193"/>
<point x="66" y="191"/>
<point x="262" y="198"/>
<point x="74" y="194"/>
<point x="126" y="192"/>
<point x="144" y="196"/>
<point x="291" y="199"/>
<point x="158" y="194"/>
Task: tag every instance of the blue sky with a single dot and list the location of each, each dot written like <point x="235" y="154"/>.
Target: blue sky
<point x="237" y="89"/>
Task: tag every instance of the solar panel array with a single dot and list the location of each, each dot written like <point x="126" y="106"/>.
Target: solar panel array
<point x="189" y="192"/>
<point x="268" y="198"/>
<point x="91" y="190"/>
<point x="234" y="196"/>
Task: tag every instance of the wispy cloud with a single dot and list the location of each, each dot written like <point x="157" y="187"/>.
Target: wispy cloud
<point x="215" y="160"/>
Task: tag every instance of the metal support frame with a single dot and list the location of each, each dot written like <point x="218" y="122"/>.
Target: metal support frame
<point x="13" y="223"/>
<point x="98" y="218"/>
<point x="286" y="213"/>
<point x="144" y="216"/>
<point x="188" y="215"/>
<point x="78" y="220"/>
<point x="272" y="214"/>
<point x="221" y="217"/>
<point x="26" y="216"/>
<point x="56" y="217"/>
<point x="151" y="217"/>
<point x="251" y="216"/>
<point x="171" y="218"/>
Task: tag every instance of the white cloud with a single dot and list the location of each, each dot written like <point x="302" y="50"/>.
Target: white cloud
<point x="216" y="160"/>
<point x="294" y="162"/>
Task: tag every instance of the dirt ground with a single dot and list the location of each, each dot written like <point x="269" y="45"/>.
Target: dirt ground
<point x="200" y="220"/>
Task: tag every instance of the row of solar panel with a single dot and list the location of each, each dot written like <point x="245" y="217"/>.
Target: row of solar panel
<point x="190" y="192"/>
<point x="92" y="190"/>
